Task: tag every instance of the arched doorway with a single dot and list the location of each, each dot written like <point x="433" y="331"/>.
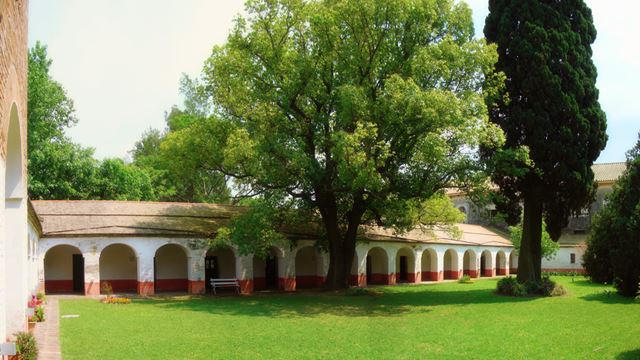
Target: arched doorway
<point x="486" y="264"/>
<point x="14" y="247"/>
<point x="219" y="263"/>
<point x="63" y="270"/>
<point x="265" y="271"/>
<point x="405" y="266"/>
<point x="309" y="272"/>
<point x="119" y="268"/>
<point x="513" y="263"/>
<point x="451" y="271"/>
<point x="171" y="269"/>
<point x="429" y="265"/>
<point x="469" y="264"/>
<point x="378" y="267"/>
<point x="501" y="263"/>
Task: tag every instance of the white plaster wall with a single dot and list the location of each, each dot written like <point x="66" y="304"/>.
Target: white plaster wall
<point x="562" y="259"/>
<point x="118" y="262"/>
<point x="226" y="262"/>
<point x="32" y="259"/>
<point x="171" y="262"/>
<point x="16" y="235"/>
<point x="58" y="263"/>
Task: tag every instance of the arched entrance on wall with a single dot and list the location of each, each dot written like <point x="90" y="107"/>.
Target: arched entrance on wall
<point x="405" y="266"/>
<point x="501" y="263"/>
<point x="451" y="271"/>
<point x="429" y="265"/>
<point x="486" y="265"/>
<point x="119" y="268"/>
<point x="219" y="263"/>
<point x="14" y="249"/>
<point x="377" y="266"/>
<point x="309" y="272"/>
<point x="171" y="266"/>
<point x="469" y="264"/>
<point x="63" y="270"/>
<point x="265" y="271"/>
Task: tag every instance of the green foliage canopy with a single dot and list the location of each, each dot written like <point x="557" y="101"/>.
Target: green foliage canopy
<point x="355" y="111"/>
<point x="550" y="115"/>
<point x="549" y="247"/>
<point x="613" y="251"/>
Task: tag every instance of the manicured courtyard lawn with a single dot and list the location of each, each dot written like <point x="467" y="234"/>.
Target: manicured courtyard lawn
<point x="444" y="321"/>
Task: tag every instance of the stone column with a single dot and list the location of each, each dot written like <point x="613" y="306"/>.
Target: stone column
<point x="361" y="276"/>
<point x="91" y="273"/>
<point x="287" y="271"/>
<point x="391" y="269"/>
<point x="145" y="274"/>
<point x="440" y="266"/>
<point x="244" y="273"/>
<point x="196" y="272"/>
<point x="417" y="266"/>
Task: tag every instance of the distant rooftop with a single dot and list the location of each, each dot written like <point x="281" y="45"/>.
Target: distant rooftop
<point x="607" y="172"/>
<point x="90" y="218"/>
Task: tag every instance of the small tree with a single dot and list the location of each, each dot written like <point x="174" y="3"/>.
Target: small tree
<point x="549" y="247"/>
<point x="613" y="252"/>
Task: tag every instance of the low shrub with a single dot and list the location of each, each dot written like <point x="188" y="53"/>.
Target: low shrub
<point x="511" y="287"/>
<point x="557" y="273"/>
<point x="465" y="279"/>
<point x="38" y="314"/>
<point x="41" y="296"/>
<point x="116" y="300"/>
<point x="106" y="289"/>
<point x="545" y="287"/>
<point x="26" y="346"/>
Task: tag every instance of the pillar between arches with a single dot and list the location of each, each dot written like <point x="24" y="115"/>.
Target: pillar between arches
<point x="91" y="273"/>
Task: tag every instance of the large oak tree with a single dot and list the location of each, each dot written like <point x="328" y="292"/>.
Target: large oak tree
<point x="550" y="110"/>
<point x="357" y="111"/>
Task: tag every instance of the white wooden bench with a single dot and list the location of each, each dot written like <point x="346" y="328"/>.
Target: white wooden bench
<point x="220" y="283"/>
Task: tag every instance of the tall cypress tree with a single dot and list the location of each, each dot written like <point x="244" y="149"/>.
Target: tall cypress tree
<point x="551" y="109"/>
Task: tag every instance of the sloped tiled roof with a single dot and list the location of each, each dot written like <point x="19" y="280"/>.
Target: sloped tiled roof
<point x="606" y="172"/>
<point x="136" y="218"/>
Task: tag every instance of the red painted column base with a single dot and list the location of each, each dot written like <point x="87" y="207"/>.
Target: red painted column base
<point x="92" y="288"/>
<point x="196" y="287"/>
<point x="287" y="284"/>
<point x="145" y="288"/>
<point x="246" y="286"/>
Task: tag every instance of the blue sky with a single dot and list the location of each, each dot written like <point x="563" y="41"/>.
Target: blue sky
<point x="121" y="60"/>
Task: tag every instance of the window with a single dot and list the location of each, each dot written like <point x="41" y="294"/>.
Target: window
<point x="573" y="258"/>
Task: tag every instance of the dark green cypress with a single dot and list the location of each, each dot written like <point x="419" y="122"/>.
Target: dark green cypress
<point x="550" y="107"/>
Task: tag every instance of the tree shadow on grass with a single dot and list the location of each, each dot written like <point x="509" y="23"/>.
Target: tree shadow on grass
<point x="389" y="303"/>
<point x="609" y="297"/>
<point x="629" y="355"/>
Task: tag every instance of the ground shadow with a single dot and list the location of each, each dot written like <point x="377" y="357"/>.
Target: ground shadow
<point x="629" y="355"/>
<point x="389" y="303"/>
<point x="609" y="297"/>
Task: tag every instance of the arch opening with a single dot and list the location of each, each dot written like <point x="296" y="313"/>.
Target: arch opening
<point x="119" y="269"/>
<point x="309" y="272"/>
<point x="469" y="264"/>
<point x="405" y="266"/>
<point x="451" y="271"/>
<point x="14" y="182"/>
<point x="378" y="267"/>
<point x="486" y="264"/>
<point x="63" y="270"/>
<point x="429" y="265"/>
<point x="219" y="263"/>
<point x="171" y="269"/>
<point x="354" y="279"/>
<point x="513" y="263"/>
<point x="265" y="271"/>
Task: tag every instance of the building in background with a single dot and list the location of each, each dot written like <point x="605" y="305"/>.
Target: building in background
<point x="573" y="239"/>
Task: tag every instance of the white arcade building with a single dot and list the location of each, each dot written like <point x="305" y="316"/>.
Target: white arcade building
<point x="148" y="247"/>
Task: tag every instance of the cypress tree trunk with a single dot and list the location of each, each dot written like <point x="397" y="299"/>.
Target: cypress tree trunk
<point x="530" y="257"/>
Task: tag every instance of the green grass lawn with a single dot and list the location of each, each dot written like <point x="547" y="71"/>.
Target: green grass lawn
<point x="444" y="321"/>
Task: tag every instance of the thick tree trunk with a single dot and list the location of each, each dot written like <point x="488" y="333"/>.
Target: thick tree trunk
<point x="530" y="257"/>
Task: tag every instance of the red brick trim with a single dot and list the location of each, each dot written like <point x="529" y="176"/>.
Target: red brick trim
<point x="92" y="288"/>
<point x="174" y="285"/>
<point x="309" y="281"/>
<point x="121" y="285"/>
<point x="196" y="286"/>
<point x="287" y="284"/>
<point x="58" y="286"/>
<point x="145" y="288"/>
<point x="246" y="286"/>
